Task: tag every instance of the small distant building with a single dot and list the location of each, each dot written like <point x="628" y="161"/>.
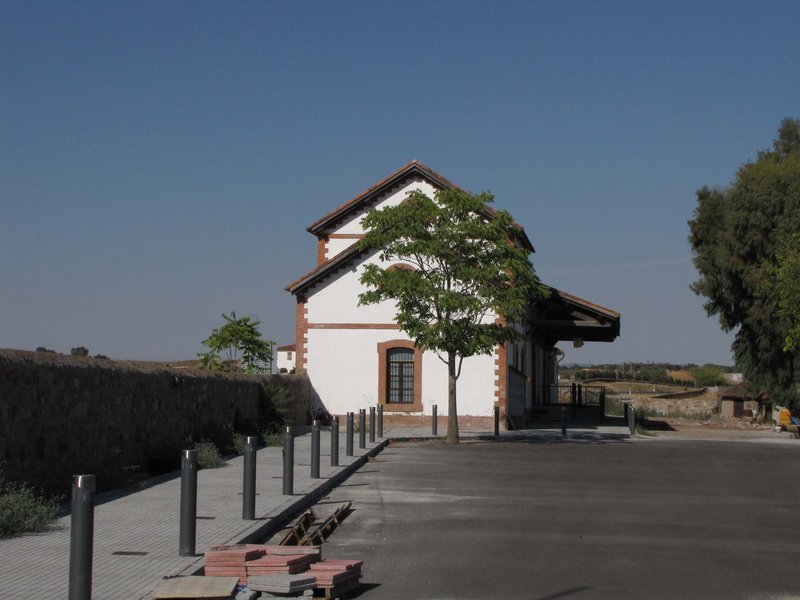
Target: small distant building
<point x="286" y="357"/>
<point x="740" y="402"/>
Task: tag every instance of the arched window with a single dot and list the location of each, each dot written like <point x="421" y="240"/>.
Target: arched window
<point x="400" y="376"/>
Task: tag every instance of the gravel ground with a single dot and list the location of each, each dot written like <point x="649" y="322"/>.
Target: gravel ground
<point x="715" y="429"/>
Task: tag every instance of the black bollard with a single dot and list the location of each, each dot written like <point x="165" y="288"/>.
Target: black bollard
<point x="371" y="424"/>
<point x="362" y="428"/>
<point x="249" y="479"/>
<point x="81" y="537"/>
<point x="315" y="450"/>
<point x="288" y="462"/>
<point x="497" y="420"/>
<point x="563" y="420"/>
<point x="380" y="421"/>
<point x="349" y="440"/>
<point x="335" y="441"/>
<point x="188" y="526"/>
<point x="434" y="420"/>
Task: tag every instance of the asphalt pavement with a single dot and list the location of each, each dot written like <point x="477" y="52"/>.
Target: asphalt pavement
<point x="542" y="518"/>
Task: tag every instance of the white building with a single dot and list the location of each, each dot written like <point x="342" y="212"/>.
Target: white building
<point x="356" y="356"/>
<point x="285" y="358"/>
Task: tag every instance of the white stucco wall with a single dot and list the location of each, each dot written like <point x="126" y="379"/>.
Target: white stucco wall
<point x="353" y="226"/>
<point x="284" y="361"/>
<point x="343" y="369"/>
<point x="342" y="363"/>
<point x="335" y="300"/>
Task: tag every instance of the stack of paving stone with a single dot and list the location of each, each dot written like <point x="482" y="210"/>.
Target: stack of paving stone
<point x="230" y="560"/>
<point x="281" y="571"/>
<point x="286" y="564"/>
<point x="330" y="573"/>
<point x="286" y="550"/>
<point x="283" y="585"/>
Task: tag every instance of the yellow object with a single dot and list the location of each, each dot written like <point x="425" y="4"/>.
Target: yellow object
<point x="784" y="417"/>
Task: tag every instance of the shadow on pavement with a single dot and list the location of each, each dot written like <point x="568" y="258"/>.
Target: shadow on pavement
<point x="657" y="425"/>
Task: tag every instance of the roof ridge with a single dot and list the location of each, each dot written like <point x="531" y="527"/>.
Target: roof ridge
<point x="362" y="197"/>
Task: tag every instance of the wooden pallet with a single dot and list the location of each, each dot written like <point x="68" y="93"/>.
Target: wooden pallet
<point x="321" y="533"/>
<point x="299" y="530"/>
<point x="337" y="590"/>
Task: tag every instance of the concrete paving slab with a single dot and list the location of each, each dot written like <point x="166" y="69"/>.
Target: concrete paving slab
<point x="136" y="531"/>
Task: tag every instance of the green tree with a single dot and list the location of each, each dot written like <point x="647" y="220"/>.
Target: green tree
<point x="466" y="266"/>
<point x="707" y="376"/>
<point x="237" y="346"/>
<point x="79" y="351"/>
<point x="736" y="235"/>
<point x="788" y="288"/>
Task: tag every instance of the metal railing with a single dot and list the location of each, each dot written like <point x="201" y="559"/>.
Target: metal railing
<point x="579" y="395"/>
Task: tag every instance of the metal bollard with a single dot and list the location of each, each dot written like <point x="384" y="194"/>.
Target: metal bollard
<point x="81" y="537"/>
<point x="563" y="420"/>
<point x="335" y="441"/>
<point x="315" y="450"/>
<point x="288" y="462"/>
<point x="435" y="420"/>
<point x="632" y="419"/>
<point x="497" y="420"/>
<point x="371" y="424"/>
<point x="249" y="479"/>
<point x="380" y="421"/>
<point x="188" y="526"/>
<point x="349" y="440"/>
<point x="362" y="428"/>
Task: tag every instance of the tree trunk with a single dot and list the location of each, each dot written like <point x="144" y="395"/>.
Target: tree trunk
<point x="452" y="407"/>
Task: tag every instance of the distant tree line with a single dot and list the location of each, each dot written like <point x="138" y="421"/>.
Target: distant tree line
<point x="77" y="351"/>
<point x="701" y="376"/>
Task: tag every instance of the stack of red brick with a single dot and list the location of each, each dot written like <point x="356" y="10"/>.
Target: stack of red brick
<point x="333" y="572"/>
<point x="251" y="560"/>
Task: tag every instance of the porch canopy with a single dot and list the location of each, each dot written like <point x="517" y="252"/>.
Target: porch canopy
<point x="564" y="317"/>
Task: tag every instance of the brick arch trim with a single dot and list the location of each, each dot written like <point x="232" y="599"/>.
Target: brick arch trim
<point x="383" y="350"/>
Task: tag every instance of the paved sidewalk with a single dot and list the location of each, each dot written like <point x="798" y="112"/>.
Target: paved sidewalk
<point x="136" y="531"/>
<point x="145" y="524"/>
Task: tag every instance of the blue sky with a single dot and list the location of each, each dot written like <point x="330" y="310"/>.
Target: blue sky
<point x="159" y="161"/>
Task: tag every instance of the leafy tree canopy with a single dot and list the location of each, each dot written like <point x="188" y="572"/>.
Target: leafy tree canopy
<point x="455" y="266"/>
<point x="79" y="351"/>
<point x="736" y="236"/>
<point x="237" y="346"/>
<point x="788" y="288"/>
<point x="707" y="376"/>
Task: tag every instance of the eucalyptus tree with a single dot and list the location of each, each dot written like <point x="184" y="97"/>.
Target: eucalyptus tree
<point x="737" y="236"/>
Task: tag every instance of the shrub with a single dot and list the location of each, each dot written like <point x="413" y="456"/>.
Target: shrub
<point x="208" y="456"/>
<point x="22" y="510"/>
<point x="280" y="406"/>
<point x="272" y="439"/>
<point x="238" y="441"/>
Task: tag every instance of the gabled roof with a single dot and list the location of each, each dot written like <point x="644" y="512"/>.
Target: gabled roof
<point x="326" y="268"/>
<point x="563" y="316"/>
<point x="370" y="194"/>
<point x="365" y="199"/>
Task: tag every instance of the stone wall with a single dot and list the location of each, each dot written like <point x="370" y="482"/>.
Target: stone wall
<point x="63" y="415"/>
<point x="700" y="406"/>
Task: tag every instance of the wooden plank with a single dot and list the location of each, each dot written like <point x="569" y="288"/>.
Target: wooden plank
<point x="342" y="588"/>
